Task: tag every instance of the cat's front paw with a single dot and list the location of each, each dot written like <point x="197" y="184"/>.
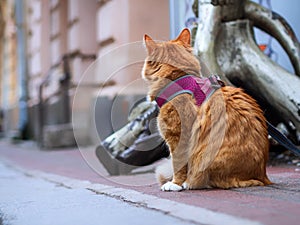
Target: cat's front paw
<point x="170" y="186"/>
<point x="185" y="186"/>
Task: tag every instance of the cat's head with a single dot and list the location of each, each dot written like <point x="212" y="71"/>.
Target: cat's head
<point x="170" y="59"/>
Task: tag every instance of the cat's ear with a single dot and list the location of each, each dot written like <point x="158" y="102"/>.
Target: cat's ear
<point x="185" y="36"/>
<point x="149" y="43"/>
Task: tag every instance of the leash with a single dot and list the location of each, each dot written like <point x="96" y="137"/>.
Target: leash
<point x="282" y="139"/>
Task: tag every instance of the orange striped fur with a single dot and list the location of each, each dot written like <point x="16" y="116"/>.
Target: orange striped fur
<point x="223" y="143"/>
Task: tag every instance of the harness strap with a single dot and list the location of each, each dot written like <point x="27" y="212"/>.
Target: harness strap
<point x="199" y="88"/>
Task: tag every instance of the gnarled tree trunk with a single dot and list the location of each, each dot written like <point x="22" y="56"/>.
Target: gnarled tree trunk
<point x="225" y="42"/>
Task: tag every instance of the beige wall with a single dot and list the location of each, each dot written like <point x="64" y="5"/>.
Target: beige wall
<point x="56" y="27"/>
<point x="9" y="92"/>
<point x="151" y="17"/>
<point x="124" y="22"/>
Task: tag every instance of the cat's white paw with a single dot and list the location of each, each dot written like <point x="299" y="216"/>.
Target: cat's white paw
<point x="185" y="186"/>
<point x="169" y="186"/>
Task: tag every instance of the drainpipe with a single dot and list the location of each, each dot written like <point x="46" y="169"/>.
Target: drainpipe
<point x="22" y="68"/>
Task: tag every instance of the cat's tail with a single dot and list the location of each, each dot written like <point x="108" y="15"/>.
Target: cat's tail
<point x="266" y="181"/>
<point x="236" y="183"/>
<point x="252" y="182"/>
<point x="164" y="172"/>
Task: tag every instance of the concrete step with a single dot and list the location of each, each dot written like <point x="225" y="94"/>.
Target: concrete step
<point x="58" y="135"/>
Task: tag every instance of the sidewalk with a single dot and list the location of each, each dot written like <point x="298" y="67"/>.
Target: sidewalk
<point x="275" y="204"/>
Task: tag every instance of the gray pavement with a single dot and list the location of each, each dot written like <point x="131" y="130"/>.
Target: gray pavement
<point x="31" y="200"/>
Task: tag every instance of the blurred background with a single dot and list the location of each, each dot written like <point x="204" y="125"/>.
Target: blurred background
<point x="46" y="46"/>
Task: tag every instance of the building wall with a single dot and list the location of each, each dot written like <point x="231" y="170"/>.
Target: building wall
<point x="91" y="27"/>
<point x="87" y="32"/>
<point x="8" y="70"/>
<point x="56" y="27"/>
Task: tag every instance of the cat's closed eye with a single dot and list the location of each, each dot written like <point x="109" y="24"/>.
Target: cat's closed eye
<point x="151" y="62"/>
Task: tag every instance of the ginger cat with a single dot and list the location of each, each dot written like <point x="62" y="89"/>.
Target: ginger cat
<point x="222" y="143"/>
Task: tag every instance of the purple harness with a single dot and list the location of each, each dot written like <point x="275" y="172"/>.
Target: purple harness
<point x="199" y="88"/>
